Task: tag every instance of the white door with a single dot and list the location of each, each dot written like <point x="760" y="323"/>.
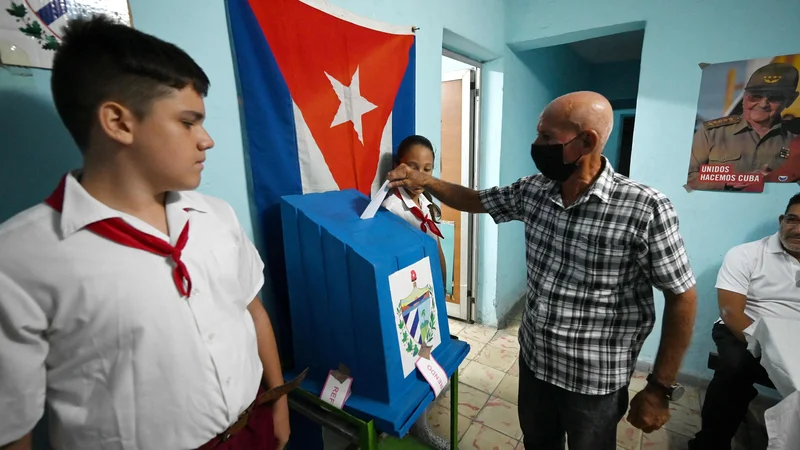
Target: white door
<point x="459" y="108"/>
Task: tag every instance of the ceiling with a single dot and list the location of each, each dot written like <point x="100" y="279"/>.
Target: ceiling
<point x="612" y="48"/>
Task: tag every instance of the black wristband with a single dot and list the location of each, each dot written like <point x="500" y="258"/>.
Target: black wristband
<point x="666" y="390"/>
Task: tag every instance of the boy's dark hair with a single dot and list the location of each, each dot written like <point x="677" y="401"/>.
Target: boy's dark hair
<point x="101" y="60"/>
<point x="795" y="200"/>
<point x="407" y="144"/>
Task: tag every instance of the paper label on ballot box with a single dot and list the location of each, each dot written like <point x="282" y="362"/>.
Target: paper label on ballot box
<point x="336" y="392"/>
<point x="433" y="374"/>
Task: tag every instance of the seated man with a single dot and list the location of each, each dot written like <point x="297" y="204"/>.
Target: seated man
<point x="757" y="279"/>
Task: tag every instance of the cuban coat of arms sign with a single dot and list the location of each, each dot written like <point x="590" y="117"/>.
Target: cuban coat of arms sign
<point x="415" y="311"/>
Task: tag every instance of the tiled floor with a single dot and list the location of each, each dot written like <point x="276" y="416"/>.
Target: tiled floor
<point x="487" y="410"/>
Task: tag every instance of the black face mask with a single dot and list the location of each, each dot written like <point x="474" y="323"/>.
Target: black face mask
<point x="549" y="159"/>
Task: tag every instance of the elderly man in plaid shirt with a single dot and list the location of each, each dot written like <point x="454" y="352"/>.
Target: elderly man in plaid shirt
<point x="597" y="243"/>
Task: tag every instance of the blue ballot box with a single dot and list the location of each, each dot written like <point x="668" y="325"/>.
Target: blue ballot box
<point x="344" y="310"/>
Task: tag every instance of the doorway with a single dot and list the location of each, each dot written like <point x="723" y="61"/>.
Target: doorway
<point x="458" y="164"/>
<point x="626" y="145"/>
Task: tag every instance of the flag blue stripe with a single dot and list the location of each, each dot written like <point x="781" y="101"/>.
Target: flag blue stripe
<point x="403" y="114"/>
<point x="50" y="12"/>
<point x="268" y="111"/>
<point x="271" y="141"/>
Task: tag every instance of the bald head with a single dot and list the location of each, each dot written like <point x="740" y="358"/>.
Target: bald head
<point x="580" y="112"/>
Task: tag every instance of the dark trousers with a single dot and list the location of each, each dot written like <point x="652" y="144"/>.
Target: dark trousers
<point x="546" y="412"/>
<point x="729" y="392"/>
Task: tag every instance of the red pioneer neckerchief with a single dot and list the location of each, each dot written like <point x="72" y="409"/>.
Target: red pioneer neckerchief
<point x="119" y="231"/>
<point x="425" y="221"/>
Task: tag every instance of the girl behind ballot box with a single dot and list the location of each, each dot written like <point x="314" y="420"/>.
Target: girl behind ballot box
<point x="416" y="206"/>
<point x="418" y="209"/>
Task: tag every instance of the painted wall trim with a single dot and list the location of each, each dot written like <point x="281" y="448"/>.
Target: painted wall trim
<point x="575" y="36"/>
<point x="463" y="46"/>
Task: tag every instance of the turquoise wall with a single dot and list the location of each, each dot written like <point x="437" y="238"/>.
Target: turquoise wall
<point x="615" y="80"/>
<point x="678" y="35"/>
<point x="35" y="147"/>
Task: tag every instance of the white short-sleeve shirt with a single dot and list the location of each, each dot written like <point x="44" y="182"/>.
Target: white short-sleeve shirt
<point x="401" y="206"/>
<point x="767" y="275"/>
<point x="100" y="333"/>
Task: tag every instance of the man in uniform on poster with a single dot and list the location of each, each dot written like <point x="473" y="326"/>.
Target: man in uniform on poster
<point x="758" y="140"/>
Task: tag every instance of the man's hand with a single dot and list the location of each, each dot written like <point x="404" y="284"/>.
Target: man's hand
<point x="453" y="195"/>
<point x="649" y="410"/>
<point x="404" y="176"/>
<point x="280" y="420"/>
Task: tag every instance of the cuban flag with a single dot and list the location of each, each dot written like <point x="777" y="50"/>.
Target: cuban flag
<point x="326" y="97"/>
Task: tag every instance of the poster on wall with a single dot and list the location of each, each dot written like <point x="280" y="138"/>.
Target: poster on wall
<point x="30" y="30"/>
<point x="414" y="305"/>
<point x="747" y="128"/>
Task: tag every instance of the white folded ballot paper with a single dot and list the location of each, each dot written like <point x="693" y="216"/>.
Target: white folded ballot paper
<point x="377" y="200"/>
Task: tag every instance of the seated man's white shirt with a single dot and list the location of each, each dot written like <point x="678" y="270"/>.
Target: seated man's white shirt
<point x="99" y="331"/>
<point x="767" y="275"/>
<point x="402" y="205"/>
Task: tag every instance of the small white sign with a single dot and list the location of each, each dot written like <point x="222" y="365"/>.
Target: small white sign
<point x="335" y="392"/>
<point x="433" y="374"/>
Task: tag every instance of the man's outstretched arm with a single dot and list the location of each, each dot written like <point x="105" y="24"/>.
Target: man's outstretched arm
<point x="453" y="195"/>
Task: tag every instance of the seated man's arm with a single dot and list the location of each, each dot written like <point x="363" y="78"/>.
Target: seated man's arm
<point x="23" y="350"/>
<point x="733" y="283"/>
<point x="731" y="310"/>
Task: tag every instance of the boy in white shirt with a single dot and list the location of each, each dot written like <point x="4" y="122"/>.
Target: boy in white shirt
<point x="128" y="303"/>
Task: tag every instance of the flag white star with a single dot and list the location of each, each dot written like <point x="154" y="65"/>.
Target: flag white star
<point x="352" y="105"/>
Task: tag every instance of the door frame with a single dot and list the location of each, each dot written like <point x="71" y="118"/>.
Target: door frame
<point x="470" y="177"/>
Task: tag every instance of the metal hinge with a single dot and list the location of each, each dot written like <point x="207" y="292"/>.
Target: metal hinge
<point x="475" y="90"/>
<point x="472" y="305"/>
